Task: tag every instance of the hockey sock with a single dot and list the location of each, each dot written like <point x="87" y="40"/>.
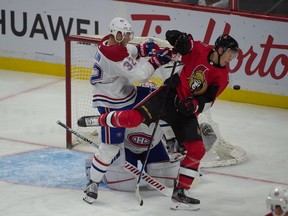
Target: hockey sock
<point x="190" y="164"/>
<point x="125" y="118"/>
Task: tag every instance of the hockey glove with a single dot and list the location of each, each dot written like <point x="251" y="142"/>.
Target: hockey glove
<point x="146" y="49"/>
<point x="163" y="56"/>
<point x="183" y="43"/>
<point x="187" y="106"/>
<point x="174" y="82"/>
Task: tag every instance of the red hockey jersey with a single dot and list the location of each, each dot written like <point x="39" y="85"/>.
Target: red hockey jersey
<point x="200" y="78"/>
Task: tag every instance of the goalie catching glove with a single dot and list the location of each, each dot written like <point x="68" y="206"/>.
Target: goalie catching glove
<point x="161" y="57"/>
<point x="147" y="48"/>
<point x="187" y="106"/>
<point x="182" y="42"/>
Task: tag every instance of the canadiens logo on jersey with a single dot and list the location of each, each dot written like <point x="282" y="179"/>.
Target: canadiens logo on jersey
<point x="197" y="81"/>
<point x="139" y="139"/>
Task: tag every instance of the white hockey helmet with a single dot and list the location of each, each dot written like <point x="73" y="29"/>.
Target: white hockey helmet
<point x="278" y="196"/>
<point x="119" y="24"/>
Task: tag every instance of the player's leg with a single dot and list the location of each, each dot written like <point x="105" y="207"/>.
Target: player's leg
<point x="101" y="160"/>
<point x="111" y="139"/>
<point x="126" y="119"/>
<point x="188" y="133"/>
<point x="112" y="132"/>
<point x="146" y="111"/>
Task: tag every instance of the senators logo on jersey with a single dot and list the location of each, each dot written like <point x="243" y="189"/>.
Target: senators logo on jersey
<point x="197" y="81"/>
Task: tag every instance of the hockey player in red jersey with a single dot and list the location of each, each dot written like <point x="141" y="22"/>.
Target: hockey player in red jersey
<point x="194" y="89"/>
<point x="277" y="202"/>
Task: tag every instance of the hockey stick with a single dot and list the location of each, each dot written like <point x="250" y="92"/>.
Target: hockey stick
<point x="137" y="191"/>
<point x="128" y="166"/>
<point x="151" y="181"/>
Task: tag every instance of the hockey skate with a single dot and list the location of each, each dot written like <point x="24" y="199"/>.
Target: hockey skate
<point x="181" y="200"/>
<point x="88" y="121"/>
<point x="91" y="192"/>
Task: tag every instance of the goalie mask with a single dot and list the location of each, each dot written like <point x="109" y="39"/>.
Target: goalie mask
<point x="278" y="197"/>
<point x="119" y="24"/>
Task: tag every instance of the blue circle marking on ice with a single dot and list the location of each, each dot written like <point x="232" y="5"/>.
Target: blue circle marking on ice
<point x="55" y="168"/>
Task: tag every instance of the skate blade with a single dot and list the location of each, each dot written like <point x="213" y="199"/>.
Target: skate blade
<point x="184" y="206"/>
<point x="89" y="200"/>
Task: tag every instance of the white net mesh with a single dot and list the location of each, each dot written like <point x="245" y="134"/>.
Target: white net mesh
<point x="222" y="153"/>
<point x="82" y="53"/>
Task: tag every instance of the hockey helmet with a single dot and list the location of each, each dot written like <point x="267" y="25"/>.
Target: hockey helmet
<point x="226" y="42"/>
<point x="119" y="24"/>
<point x="278" y="196"/>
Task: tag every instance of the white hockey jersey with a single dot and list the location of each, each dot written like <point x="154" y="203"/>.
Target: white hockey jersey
<point x="114" y="71"/>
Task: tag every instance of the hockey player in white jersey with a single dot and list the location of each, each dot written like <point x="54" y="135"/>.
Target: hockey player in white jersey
<point x="114" y="70"/>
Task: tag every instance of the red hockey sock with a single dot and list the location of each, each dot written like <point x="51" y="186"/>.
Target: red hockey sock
<point x="190" y="164"/>
<point x="125" y="118"/>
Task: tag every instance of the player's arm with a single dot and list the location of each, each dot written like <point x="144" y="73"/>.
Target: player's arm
<point x="120" y="62"/>
<point x="142" y="71"/>
<point x="147" y="49"/>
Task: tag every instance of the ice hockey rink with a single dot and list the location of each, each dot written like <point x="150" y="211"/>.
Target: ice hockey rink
<point x="39" y="177"/>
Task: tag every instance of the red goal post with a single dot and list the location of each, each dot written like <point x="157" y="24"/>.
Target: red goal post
<point x="68" y="76"/>
<point x="80" y="51"/>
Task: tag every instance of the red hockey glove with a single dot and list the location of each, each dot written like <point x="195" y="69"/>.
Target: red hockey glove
<point x="162" y="56"/>
<point x="187" y="106"/>
<point x="147" y="48"/>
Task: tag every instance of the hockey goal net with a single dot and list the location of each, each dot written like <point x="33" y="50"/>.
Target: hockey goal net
<point x="80" y="51"/>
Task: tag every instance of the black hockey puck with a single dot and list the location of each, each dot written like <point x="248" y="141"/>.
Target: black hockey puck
<point x="236" y="87"/>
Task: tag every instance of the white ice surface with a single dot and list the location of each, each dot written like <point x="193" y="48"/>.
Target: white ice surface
<point x="30" y="105"/>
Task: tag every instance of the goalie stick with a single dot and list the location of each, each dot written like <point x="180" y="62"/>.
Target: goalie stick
<point x="128" y="166"/>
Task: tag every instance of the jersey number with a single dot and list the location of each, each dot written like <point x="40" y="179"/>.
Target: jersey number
<point x="97" y="74"/>
<point x="129" y="63"/>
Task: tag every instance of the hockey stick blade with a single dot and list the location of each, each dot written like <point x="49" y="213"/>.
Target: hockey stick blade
<point x="138" y="197"/>
<point x="88" y="121"/>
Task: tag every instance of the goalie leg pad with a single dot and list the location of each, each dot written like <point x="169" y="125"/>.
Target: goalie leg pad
<point x="164" y="172"/>
<point x="117" y="178"/>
